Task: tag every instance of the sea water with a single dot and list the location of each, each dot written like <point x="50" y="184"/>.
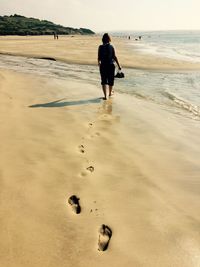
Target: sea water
<point x="180" y="45"/>
<point x="177" y="91"/>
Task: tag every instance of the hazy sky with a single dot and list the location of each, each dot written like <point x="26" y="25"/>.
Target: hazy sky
<point x="105" y="15"/>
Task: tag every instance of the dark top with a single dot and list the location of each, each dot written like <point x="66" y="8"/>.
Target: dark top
<point x="106" y="54"/>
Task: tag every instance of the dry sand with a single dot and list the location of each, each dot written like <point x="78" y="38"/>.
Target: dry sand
<point x="145" y="183"/>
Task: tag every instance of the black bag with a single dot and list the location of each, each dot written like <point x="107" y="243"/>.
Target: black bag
<point x="119" y="74"/>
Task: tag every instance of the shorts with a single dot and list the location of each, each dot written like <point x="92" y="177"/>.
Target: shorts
<point x="107" y="74"/>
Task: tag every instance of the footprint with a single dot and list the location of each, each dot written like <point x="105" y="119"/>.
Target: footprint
<point x="105" y="234"/>
<point x="90" y="168"/>
<point x="83" y="174"/>
<point x="82" y="149"/>
<point x="97" y="134"/>
<point x="74" y="202"/>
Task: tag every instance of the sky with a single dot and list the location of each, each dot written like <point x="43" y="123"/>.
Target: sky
<point x="110" y="15"/>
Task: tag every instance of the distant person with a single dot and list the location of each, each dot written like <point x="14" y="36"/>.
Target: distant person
<point x="129" y="37"/>
<point x="106" y="59"/>
<point x="140" y="37"/>
<point x="55" y="35"/>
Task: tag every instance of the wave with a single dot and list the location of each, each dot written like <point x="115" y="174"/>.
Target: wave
<point x="183" y="104"/>
<point x="175" y="45"/>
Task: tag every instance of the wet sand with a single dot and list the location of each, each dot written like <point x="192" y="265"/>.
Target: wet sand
<point x="134" y="166"/>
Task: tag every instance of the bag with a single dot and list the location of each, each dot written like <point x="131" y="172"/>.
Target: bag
<point x="119" y="74"/>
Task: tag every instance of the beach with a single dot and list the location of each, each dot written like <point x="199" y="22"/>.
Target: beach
<point x="133" y="163"/>
<point x="83" y="50"/>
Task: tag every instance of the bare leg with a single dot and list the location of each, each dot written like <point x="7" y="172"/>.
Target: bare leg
<point x="104" y="91"/>
<point x="111" y="90"/>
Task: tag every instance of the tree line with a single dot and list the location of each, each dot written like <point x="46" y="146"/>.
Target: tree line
<point x="20" y="25"/>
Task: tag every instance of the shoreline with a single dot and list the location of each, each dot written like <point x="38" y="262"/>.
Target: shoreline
<point x="76" y="50"/>
<point x="90" y="74"/>
<point x="166" y="70"/>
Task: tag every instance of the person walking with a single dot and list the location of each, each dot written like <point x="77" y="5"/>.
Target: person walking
<point x="106" y="59"/>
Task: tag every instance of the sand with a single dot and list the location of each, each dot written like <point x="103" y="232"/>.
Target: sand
<point x="83" y="50"/>
<point x="144" y="182"/>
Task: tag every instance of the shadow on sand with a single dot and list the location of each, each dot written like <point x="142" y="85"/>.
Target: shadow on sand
<point x="58" y="103"/>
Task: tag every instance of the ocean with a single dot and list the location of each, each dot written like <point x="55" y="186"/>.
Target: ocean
<point x="180" y="45"/>
<point x="176" y="91"/>
<point x="180" y="90"/>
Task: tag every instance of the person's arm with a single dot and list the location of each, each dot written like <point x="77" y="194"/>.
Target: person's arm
<point x="116" y="59"/>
